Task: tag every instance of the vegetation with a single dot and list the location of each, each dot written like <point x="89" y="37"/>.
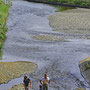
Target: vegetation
<point x="61" y="8"/>
<point x="3" y="17"/>
<point x="73" y="2"/>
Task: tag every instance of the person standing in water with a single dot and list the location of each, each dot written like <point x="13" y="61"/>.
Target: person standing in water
<point x="45" y="81"/>
<point x="26" y="83"/>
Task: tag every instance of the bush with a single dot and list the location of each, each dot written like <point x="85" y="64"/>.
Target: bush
<point x="74" y="2"/>
<point x="63" y="1"/>
<point x="1" y="37"/>
<point x="84" y="4"/>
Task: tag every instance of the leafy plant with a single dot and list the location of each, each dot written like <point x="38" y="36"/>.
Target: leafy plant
<point x="61" y="8"/>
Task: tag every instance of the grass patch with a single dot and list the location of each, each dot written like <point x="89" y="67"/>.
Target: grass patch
<point x="0" y="55"/>
<point x="4" y="8"/>
<point x="61" y="8"/>
<point x="73" y="2"/>
<point x="10" y="70"/>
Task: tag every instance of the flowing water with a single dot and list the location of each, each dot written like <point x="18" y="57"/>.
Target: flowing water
<point x="58" y="59"/>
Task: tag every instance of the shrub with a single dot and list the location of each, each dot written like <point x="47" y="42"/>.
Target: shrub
<point x="1" y="37"/>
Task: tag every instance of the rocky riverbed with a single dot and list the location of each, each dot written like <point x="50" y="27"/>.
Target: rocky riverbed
<point x="30" y="38"/>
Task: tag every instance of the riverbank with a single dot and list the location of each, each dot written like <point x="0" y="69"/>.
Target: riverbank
<point x="72" y="3"/>
<point x="3" y="18"/>
<point x="11" y="70"/>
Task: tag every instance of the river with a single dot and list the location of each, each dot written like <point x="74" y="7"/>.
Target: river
<point x="56" y="58"/>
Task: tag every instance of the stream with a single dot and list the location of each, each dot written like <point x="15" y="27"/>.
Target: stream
<point x="58" y="59"/>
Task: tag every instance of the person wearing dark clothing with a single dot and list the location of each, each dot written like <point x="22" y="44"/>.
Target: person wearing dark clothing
<point x="26" y="83"/>
<point x="40" y="87"/>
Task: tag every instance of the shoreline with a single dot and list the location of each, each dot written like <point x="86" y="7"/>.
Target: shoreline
<point x="57" y="3"/>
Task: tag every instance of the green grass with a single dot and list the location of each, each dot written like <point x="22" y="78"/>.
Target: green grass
<point x="61" y="8"/>
<point x="73" y="2"/>
<point x="4" y="8"/>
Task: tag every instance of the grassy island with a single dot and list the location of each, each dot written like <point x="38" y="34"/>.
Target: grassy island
<point x="73" y="2"/>
<point x="4" y="8"/>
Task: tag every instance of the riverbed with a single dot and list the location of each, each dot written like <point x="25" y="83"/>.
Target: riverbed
<point x="58" y="58"/>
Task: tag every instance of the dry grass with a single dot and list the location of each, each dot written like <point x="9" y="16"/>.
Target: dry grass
<point x="10" y="70"/>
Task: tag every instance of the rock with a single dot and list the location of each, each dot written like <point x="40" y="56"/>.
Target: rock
<point x="84" y="66"/>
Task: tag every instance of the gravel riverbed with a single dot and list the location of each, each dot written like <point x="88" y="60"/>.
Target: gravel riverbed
<point x="10" y="70"/>
<point x="29" y="38"/>
<point x="73" y="21"/>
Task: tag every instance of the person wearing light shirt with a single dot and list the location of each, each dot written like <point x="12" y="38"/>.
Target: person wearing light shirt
<point x="45" y="81"/>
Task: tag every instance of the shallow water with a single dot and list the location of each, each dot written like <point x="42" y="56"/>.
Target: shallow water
<point x="58" y="59"/>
